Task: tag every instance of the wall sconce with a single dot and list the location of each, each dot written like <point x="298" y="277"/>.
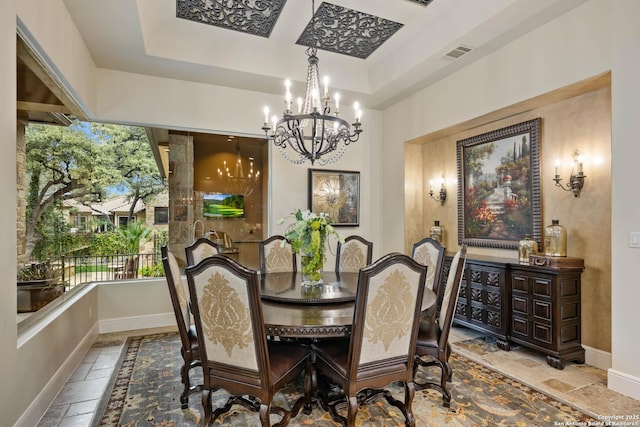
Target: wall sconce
<point x="576" y="180"/>
<point x="442" y="196"/>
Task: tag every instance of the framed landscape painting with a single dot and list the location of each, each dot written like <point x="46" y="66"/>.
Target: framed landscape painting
<point x="336" y="193"/>
<point x="499" y="186"/>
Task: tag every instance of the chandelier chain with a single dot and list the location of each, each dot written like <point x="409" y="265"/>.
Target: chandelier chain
<point x="314" y="133"/>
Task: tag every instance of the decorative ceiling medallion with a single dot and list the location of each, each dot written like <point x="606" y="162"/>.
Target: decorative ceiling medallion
<point x="347" y="31"/>
<point x="424" y="2"/>
<point x="247" y="16"/>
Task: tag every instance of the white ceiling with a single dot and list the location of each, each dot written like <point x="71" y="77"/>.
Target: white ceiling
<point x="144" y="36"/>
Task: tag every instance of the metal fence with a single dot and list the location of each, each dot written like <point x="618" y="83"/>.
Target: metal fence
<point x="83" y="269"/>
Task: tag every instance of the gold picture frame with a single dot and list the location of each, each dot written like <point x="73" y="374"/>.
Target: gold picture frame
<point x="499" y="186"/>
<point x="336" y="193"/>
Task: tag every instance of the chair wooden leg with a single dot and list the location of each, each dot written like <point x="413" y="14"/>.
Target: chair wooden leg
<point x="184" y="374"/>
<point x="409" y="393"/>
<point x="445" y="372"/>
<point x="446" y="395"/>
<point x="208" y="410"/>
<point x="352" y="411"/>
<point x="265" y="411"/>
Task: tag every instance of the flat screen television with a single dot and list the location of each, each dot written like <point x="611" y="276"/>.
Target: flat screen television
<point x="219" y="205"/>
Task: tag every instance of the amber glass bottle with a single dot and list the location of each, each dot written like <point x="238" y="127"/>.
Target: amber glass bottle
<point x="555" y="239"/>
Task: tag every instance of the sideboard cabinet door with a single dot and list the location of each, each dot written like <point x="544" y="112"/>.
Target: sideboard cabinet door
<point x="537" y="305"/>
<point x="484" y="301"/>
<point x="545" y="312"/>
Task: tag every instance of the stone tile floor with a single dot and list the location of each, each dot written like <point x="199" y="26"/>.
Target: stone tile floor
<point x="582" y="386"/>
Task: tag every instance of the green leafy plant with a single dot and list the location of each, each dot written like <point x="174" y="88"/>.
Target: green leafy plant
<point x="41" y="271"/>
<point x="156" y="270"/>
<point x="308" y="235"/>
<point x="135" y="234"/>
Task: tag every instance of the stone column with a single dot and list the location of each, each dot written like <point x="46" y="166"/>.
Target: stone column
<point x="21" y="187"/>
<point x="181" y="201"/>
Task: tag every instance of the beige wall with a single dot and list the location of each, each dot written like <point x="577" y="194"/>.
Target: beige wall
<point x="581" y="122"/>
<point x="592" y="39"/>
<point x="625" y="291"/>
<point x="9" y="407"/>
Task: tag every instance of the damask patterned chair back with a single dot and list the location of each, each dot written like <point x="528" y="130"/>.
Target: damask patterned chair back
<point x="355" y="253"/>
<point x="276" y="255"/>
<point x="451" y="292"/>
<point x="430" y="252"/>
<point x="383" y="336"/>
<point x="188" y="337"/>
<point x="235" y="355"/>
<point x="432" y="347"/>
<point x="200" y="249"/>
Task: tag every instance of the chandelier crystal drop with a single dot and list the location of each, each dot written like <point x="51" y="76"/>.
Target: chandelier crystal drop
<point x="314" y="133"/>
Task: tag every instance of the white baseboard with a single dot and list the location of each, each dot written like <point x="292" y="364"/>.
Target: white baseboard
<point x="598" y="358"/>
<point x="617" y="381"/>
<point x="41" y="403"/>
<point x="624" y="383"/>
<point x="121" y="324"/>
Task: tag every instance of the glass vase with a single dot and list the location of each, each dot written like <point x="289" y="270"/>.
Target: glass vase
<point x="311" y="269"/>
<point x="526" y="247"/>
<point x="555" y="239"/>
<point x="436" y="232"/>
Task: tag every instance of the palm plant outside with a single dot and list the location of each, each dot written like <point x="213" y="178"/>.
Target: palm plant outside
<point x="134" y="234"/>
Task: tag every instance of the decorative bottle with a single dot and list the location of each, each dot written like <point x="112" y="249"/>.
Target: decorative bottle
<point x="555" y="239"/>
<point x="526" y="247"/>
<point x="436" y="232"/>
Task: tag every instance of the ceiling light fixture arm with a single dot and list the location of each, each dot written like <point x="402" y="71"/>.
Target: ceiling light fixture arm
<point x="314" y="133"/>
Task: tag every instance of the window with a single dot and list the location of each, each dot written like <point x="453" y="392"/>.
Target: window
<point x="82" y="223"/>
<point x="161" y="215"/>
<point x="122" y="221"/>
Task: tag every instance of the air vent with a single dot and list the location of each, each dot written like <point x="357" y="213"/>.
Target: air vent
<point x="458" y="52"/>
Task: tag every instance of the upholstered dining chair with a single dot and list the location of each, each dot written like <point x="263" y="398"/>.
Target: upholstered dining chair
<point x="188" y="336"/>
<point x="200" y="249"/>
<point x="382" y="344"/>
<point x="276" y="255"/>
<point x="234" y="350"/>
<point x="355" y="253"/>
<point x="433" y="336"/>
<point x="430" y="252"/>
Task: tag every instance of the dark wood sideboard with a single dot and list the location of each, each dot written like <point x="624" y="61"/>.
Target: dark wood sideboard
<point x="537" y="306"/>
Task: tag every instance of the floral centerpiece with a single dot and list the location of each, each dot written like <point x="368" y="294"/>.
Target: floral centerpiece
<point x="308" y="235"/>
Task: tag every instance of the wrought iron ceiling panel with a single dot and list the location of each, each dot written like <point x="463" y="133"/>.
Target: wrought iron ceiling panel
<point x="424" y="2"/>
<point x="347" y="31"/>
<point x="255" y="17"/>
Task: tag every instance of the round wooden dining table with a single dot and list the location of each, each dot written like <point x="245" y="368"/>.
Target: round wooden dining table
<point x="292" y="309"/>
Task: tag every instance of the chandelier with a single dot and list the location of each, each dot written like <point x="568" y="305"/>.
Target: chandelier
<point x="314" y="133"/>
<point x="237" y="182"/>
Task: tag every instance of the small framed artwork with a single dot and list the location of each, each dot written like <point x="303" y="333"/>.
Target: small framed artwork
<point x="336" y="193"/>
<point x="499" y="186"/>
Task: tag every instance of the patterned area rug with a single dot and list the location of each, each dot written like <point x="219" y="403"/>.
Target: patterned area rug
<point x="146" y="390"/>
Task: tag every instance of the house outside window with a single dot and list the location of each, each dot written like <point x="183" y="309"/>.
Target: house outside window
<point x="123" y="220"/>
<point x="161" y="215"/>
<point x="81" y="223"/>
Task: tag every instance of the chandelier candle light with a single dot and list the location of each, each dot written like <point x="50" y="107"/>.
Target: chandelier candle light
<point x="238" y="182"/>
<point x="314" y="133"/>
